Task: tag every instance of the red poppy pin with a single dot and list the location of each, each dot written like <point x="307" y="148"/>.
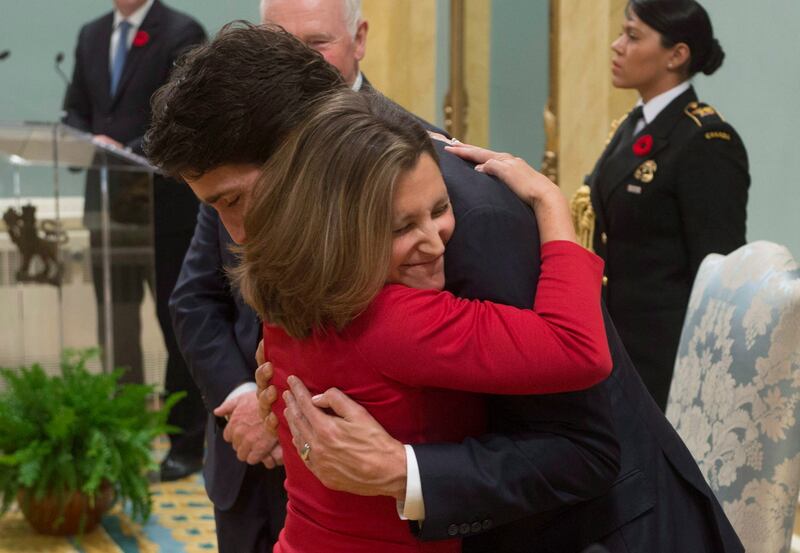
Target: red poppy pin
<point x="141" y="38"/>
<point x="643" y="145"/>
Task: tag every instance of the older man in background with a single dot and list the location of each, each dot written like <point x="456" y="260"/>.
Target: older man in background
<point x="218" y="333"/>
<point x="335" y="29"/>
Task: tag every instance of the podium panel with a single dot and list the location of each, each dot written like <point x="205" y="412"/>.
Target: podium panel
<point x="76" y="251"/>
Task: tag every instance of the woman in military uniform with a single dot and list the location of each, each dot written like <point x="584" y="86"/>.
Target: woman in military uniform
<point x="671" y="185"/>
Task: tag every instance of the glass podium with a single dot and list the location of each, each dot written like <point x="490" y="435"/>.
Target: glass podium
<point x="76" y="251"/>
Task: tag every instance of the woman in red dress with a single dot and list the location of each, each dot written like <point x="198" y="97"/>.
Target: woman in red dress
<point x="344" y="260"/>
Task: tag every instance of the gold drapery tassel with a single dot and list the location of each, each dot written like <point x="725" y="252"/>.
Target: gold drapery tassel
<point x="583" y="216"/>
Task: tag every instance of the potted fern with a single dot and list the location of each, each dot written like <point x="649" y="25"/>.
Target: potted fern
<point x="71" y="445"/>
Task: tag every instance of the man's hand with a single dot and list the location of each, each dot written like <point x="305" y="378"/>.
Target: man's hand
<point x="275" y="458"/>
<point x="260" y="352"/>
<point x="349" y="451"/>
<point x="244" y="430"/>
<point x="267" y="395"/>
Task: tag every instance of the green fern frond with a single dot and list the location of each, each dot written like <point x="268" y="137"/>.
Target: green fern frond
<point x="76" y="431"/>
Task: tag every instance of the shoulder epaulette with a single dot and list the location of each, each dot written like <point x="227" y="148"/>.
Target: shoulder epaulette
<point x="702" y="114"/>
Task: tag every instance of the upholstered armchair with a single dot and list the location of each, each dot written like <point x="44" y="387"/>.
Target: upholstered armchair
<point x="735" y="395"/>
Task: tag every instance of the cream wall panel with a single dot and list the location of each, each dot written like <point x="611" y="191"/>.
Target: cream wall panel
<point x="587" y="102"/>
<point x="401" y="52"/>
<point x="620" y="101"/>
<point x="583" y="95"/>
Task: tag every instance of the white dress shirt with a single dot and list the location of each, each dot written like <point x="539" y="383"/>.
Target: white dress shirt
<point x="135" y="19"/>
<point x="358" y="82"/>
<point x="651" y="109"/>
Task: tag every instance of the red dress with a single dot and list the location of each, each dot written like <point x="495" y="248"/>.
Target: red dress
<point x="416" y="360"/>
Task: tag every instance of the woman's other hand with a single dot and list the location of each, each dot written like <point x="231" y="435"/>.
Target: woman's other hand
<point x="525" y="181"/>
<point x="267" y="394"/>
<point x="549" y="204"/>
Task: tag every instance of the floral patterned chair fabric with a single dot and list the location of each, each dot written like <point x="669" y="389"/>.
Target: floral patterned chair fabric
<point x="735" y="394"/>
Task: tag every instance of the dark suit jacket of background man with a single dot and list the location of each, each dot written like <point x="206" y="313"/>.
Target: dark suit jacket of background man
<point x="556" y="489"/>
<point x="125" y="117"/>
<point x="218" y="334"/>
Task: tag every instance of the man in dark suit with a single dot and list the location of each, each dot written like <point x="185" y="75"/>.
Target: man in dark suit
<point x="217" y="332"/>
<point x="559" y="456"/>
<point x="120" y="60"/>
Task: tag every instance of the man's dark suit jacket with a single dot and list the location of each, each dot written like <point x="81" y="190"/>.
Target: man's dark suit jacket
<point x="219" y="346"/>
<point x="218" y="335"/>
<point x="566" y="470"/>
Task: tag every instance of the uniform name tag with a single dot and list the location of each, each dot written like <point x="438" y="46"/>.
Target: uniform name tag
<point x="633" y="189"/>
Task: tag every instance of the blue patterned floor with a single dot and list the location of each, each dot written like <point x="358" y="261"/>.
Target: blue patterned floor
<point x="182" y="522"/>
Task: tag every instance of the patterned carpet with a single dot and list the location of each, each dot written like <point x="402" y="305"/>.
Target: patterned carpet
<point x="182" y="522"/>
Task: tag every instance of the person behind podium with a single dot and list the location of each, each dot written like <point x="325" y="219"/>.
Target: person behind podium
<point x="121" y="58"/>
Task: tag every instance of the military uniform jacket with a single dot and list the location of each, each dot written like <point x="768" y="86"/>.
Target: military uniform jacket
<point x="671" y="195"/>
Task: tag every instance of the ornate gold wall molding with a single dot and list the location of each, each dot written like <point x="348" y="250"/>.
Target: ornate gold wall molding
<point x="477" y="34"/>
<point x="456" y="101"/>
<point x="401" y="58"/>
<point x="550" y="114"/>
<point x="466" y="106"/>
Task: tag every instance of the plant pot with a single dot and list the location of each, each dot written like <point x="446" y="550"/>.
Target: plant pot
<point x="43" y="513"/>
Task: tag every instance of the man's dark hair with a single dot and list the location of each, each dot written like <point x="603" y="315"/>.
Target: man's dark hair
<point x="234" y="99"/>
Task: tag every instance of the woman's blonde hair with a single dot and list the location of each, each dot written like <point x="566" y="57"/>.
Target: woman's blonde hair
<point x="318" y="225"/>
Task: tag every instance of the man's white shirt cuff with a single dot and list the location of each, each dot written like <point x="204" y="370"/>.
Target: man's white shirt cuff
<point x="413" y="508"/>
<point x="245" y="388"/>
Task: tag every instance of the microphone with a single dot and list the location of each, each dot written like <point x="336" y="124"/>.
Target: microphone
<point x="59" y="59"/>
<point x="4" y="54"/>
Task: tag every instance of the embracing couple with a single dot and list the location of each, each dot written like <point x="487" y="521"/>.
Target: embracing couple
<point x="439" y="285"/>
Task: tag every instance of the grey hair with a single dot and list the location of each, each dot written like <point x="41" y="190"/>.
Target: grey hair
<point x="352" y="13"/>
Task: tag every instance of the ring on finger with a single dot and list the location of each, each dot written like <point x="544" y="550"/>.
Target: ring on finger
<point x="305" y="451"/>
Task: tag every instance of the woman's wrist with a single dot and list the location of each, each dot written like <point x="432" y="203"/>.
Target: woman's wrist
<point x="550" y="199"/>
<point x="553" y="217"/>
